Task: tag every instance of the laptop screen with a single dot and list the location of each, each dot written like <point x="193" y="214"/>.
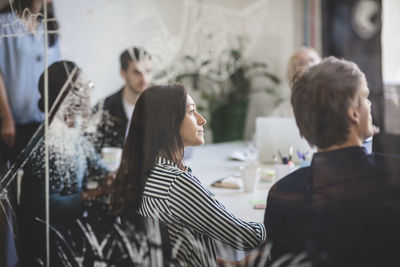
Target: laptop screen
<point x="277" y="134"/>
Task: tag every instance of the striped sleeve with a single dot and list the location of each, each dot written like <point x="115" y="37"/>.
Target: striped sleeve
<point x="191" y="203"/>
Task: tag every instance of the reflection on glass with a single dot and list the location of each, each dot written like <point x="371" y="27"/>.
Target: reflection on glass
<point x="22" y="59"/>
<point x="183" y="37"/>
<point x="72" y="159"/>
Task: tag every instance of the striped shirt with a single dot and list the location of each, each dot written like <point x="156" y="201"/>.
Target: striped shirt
<point x="193" y="216"/>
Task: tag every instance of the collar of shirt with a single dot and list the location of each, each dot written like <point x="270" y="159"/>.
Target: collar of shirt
<point x="343" y="154"/>
<point x="333" y="168"/>
<point x="164" y="161"/>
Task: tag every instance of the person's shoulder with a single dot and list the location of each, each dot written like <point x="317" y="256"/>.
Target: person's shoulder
<point x="110" y="100"/>
<point x="176" y="174"/>
<point x="294" y="181"/>
<point x="384" y="156"/>
<point x="114" y="96"/>
<point x="386" y="162"/>
<point x="166" y="170"/>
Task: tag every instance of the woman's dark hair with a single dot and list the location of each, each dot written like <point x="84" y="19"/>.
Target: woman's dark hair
<point x="52" y="23"/>
<point x="58" y="74"/>
<point x="154" y="131"/>
<point x="321" y="97"/>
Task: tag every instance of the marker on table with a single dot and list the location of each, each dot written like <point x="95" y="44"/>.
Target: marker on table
<point x="290" y="153"/>
<point x="280" y="154"/>
<point x="300" y="155"/>
<point x="283" y="159"/>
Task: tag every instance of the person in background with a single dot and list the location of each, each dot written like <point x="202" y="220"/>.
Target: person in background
<point x="300" y="60"/>
<point x="73" y="163"/>
<point x="21" y="63"/>
<point x="343" y="210"/>
<point x="117" y="109"/>
<point x="154" y="182"/>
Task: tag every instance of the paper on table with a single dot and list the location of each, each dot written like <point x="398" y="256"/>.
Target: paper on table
<point x="267" y="175"/>
<point x="231" y="182"/>
<point x="238" y="155"/>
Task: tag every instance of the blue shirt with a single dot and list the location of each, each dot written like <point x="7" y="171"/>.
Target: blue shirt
<point x="21" y="64"/>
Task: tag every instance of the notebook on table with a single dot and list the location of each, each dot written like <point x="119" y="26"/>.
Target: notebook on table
<point x="275" y="134"/>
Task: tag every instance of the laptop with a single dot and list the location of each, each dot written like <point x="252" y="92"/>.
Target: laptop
<point x="275" y="134"/>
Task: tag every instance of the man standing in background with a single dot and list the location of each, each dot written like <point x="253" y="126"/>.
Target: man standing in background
<point x="21" y="63"/>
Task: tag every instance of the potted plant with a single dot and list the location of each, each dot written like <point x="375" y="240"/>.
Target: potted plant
<point x="226" y="99"/>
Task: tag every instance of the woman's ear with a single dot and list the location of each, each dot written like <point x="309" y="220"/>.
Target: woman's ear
<point x="353" y="115"/>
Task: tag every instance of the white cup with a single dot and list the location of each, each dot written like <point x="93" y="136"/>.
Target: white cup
<point x="281" y="170"/>
<point x="111" y="157"/>
<point x="250" y="176"/>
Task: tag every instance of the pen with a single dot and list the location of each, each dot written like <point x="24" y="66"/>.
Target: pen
<point x="280" y="155"/>
<point x="300" y="155"/>
<point x="283" y="159"/>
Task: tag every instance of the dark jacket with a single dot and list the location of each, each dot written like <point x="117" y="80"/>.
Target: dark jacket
<point x="343" y="210"/>
<point x="112" y="128"/>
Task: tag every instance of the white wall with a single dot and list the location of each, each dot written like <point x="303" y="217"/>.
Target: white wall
<point x="391" y="64"/>
<point x="391" y="41"/>
<point x="93" y="34"/>
<point x="279" y="39"/>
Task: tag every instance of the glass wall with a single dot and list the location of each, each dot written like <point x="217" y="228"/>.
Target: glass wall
<point x="71" y="73"/>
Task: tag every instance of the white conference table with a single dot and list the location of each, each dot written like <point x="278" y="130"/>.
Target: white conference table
<point x="211" y="162"/>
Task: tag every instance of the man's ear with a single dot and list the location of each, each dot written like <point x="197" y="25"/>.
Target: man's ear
<point x="354" y="115"/>
<point x="122" y="73"/>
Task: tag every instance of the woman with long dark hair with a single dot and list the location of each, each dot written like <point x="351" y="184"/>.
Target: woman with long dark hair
<point x="154" y="182"/>
<point x="78" y="212"/>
